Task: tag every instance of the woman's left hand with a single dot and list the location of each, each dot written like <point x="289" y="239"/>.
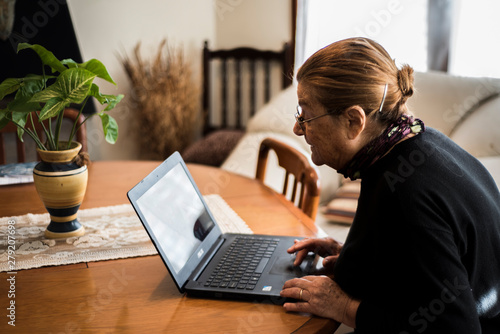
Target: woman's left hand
<point x="320" y="295"/>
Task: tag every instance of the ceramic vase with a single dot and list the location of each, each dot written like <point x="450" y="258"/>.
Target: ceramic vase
<point x="61" y="185"/>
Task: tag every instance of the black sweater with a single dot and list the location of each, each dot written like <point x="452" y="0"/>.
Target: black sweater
<point x="423" y="252"/>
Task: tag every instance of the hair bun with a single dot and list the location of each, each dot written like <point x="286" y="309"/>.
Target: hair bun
<point x="405" y="81"/>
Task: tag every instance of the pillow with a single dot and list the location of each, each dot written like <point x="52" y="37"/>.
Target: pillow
<point x="342" y="208"/>
<point x="213" y="149"/>
<point x="442" y="100"/>
<point x="243" y="161"/>
<point x="492" y="164"/>
<point x="479" y="132"/>
<point x="277" y="114"/>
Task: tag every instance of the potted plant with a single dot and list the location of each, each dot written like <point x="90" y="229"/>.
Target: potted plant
<point x="60" y="178"/>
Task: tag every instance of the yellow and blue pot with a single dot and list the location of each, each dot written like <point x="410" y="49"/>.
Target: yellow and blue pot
<point x="61" y="185"/>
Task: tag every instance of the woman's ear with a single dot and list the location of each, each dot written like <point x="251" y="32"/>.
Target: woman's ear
<point x="355" y="120"/>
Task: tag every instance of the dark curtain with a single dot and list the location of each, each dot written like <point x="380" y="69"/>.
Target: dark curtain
<point x="439" y="30"/>
<point x="44" y="22"/>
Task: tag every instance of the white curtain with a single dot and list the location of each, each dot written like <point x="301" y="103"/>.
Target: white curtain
<point x="400" y="26"/>
<point x="301" y="33"/>
<point x="475" y="38"/>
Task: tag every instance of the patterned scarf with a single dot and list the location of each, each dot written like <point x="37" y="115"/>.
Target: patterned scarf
<point x="379" y="146"/>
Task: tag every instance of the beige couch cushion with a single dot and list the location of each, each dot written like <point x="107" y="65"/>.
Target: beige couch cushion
<point x="443" y="100"/>
<point x="243" y="161"/>
<point x="479" y="132"/>
<point x="277" y="115"/>
<point x="492" y="164"/>
<point x="342" y="208"/>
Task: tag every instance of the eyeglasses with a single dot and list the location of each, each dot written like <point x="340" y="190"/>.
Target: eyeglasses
<point x="300" y="120"/>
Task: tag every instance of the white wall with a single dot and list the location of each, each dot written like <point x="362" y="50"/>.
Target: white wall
<point x="264" y="24"/>
<point x="105" y="28"/>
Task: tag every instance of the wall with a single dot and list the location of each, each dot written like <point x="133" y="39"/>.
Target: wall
<point x="107" y="28"/>
<point x="260" y="24"/>
<point x="264" y="24"/>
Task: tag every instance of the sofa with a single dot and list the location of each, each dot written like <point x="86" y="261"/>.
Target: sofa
<point x="464" y="108"/>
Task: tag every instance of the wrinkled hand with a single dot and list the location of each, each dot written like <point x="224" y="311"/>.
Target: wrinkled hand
<point x="320" y="295"/>
<point x="327" y="248"/>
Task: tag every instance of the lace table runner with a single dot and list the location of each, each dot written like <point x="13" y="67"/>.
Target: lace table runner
<point x="110" y="233"/>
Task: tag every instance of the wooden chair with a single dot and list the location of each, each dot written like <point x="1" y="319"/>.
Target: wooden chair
<point x="69" y="114"/>
<point x="236" y="83"/>
<point x="306" y="181"/>
<point x="232" y="87"/>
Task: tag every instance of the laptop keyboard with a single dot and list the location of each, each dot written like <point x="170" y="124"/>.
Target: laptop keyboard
<point x="243" y="263"/>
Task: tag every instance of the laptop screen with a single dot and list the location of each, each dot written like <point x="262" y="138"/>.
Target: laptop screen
<point x="176" y="216"/>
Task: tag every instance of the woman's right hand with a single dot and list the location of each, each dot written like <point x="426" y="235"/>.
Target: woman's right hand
<point x="327" y="248"/>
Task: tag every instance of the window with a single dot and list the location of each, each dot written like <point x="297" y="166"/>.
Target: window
<point x="458" y="36"/>
<point x="475" y="43"/>
<point x="400" y="26"/>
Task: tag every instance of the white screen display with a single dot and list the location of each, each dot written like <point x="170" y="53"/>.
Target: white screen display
<point x="176" y="216"/>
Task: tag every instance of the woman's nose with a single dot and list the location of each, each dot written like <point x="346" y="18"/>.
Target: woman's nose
<point x="297" y="129"/>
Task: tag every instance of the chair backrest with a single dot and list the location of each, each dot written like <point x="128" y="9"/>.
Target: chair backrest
<point x="69" y="113"/>
<point x="306" y="181"/>
<point x="240" y="75"/>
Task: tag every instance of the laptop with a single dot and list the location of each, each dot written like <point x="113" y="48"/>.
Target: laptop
<point x="196" y="252"/>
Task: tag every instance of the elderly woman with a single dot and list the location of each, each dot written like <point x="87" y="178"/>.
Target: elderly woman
<point x="423" y="251"/>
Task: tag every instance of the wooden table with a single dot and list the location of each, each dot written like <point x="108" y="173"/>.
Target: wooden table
<point x="137" y="295"/>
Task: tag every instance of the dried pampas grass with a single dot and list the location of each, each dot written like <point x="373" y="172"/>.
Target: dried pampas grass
<point x="166" y="101"/>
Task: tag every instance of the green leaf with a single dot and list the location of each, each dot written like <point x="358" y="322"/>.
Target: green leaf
<point x="72" y="86"/>
<point x="29" y="86"/>
<point x="110" y="128"/>
<point x="9" y="86"/>
<point x="110" y="100"/>
<point x="21" y="120"/>
<point x="32" y="84"/>
<point x="98" y="68"/>
<point x="4" y="119"/>
<point x="52" y="108"/>
<point x="94" y="91"/>
<point x="70" y="63"/>
<point x="45" y="55"/>
<point x="113" y="101"/>
<point x="22" y="104"/>
<point x="50" y="92"/>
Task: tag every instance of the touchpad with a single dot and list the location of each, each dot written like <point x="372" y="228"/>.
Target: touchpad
<point x="284" y="266"/>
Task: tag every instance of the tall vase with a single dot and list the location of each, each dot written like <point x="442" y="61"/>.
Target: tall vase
<point x="61" y="185"/>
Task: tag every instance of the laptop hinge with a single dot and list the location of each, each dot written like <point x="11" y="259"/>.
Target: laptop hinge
<point x="206" y="259"/>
